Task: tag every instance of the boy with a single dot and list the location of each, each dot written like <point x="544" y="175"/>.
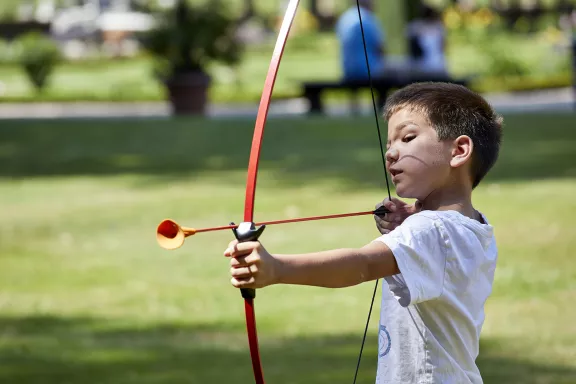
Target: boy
<point x="438" y="263"/>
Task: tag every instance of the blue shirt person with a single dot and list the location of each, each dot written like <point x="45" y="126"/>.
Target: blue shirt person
<point x="351" y="46"/>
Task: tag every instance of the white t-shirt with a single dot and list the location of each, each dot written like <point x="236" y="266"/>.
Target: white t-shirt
<point x="432" y="312"/>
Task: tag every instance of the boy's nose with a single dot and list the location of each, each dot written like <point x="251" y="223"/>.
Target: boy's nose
<point x="391" y="155"/>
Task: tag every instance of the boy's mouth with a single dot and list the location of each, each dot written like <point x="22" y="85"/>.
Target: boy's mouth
<point x="395" y="173"/>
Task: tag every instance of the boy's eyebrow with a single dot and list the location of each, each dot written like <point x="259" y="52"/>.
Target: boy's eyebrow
<point x="401" y="126"/>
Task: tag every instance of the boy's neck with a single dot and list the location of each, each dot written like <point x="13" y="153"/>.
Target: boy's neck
<point x="452" y="199"/>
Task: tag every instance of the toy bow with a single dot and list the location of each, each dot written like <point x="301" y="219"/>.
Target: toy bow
<point x="170" y="235"/>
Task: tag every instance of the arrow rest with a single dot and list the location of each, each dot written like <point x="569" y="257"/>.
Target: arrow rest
<point x="247" y="231"/>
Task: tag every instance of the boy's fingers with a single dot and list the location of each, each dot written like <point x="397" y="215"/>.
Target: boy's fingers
<point x="387" y="222"/>
<point x="380" y="221"/>
<point x="394" y="204"/>
<point x="390" y="205"/>
<point x="231" y="246"/>
<point x="244" y="261"/>
<point x="243" y="283"/>
<point x="240" y="249"/>
<point x="244" y="272"/>
<point x="399" y="202"/>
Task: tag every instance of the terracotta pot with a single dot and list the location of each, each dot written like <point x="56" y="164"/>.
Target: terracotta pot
<point x="188" y="93"/>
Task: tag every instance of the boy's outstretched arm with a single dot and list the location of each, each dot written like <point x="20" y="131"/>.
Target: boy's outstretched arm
<point x="253" y="267"/>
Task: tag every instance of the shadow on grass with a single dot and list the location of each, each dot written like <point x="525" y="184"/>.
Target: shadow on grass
<point x="297" y="149"/>
<point x="98" y="351"/>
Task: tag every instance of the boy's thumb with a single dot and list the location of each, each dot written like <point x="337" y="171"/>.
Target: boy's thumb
<point x="390" y="205"/>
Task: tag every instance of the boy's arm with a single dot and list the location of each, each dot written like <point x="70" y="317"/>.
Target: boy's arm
<point x="339" y="267"/>
<point x="253" y="267"/>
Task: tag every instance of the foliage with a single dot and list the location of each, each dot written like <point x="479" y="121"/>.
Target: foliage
<point x="7" y="12"/>
<point x="494" y="52"/>
<point x="7" y="52"/>
<point x="37" y="55"/>
<point x="187" y="38"/>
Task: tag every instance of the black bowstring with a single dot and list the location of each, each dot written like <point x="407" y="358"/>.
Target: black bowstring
<point x="385" y="176"/>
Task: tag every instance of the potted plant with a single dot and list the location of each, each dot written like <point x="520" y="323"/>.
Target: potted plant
<point x="184" y="41"/>
<point x="38" y="55"/>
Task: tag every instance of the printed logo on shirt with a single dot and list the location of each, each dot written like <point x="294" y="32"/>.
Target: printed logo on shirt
<point x="385" y="341"/>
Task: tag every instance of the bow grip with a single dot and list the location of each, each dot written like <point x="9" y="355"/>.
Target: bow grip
<point x="247" y="231"/>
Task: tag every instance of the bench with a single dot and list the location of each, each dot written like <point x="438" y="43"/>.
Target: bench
<point x="312" y="91"/>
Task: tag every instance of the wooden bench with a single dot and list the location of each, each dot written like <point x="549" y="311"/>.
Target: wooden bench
<point x="312" y="91"/>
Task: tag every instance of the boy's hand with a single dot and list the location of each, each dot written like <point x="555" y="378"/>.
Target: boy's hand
<point x="251" y="266"/>
<point x="399" y="211"/>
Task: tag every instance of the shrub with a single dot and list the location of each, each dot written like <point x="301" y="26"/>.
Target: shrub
<point x="188" y="37"/>
<point x="38" y="55"/>
<point x="6" y="52"/>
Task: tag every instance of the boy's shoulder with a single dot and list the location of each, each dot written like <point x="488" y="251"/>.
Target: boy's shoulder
<point x="426" y="217"/>
<point x="447" y="224"/>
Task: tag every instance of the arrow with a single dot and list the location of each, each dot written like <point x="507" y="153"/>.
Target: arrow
<point x="170" y="235"/>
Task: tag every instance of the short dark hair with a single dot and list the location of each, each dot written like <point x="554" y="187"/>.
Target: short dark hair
<point x="454" y="110"/>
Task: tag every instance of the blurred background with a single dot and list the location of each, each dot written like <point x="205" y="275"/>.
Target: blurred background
<point x="116" y="114"/>
<point x="117" y="51"/>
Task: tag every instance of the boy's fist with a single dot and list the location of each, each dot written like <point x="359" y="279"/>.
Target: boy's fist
<point x="251" y="266"/>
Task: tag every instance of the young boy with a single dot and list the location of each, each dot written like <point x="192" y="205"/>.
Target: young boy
<point x="438" y="263"/>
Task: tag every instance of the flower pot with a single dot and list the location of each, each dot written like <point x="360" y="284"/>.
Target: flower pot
<point x="188" y="93"/>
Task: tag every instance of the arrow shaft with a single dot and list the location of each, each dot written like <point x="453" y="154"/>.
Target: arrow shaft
<point x="286" y="221"/>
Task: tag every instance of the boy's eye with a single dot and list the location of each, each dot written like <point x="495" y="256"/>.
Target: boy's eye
<point x="408" y="138"/>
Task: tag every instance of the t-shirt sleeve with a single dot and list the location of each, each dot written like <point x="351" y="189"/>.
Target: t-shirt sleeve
<point x="420" y="248"/>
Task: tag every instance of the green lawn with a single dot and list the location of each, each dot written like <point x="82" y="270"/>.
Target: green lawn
<point x="86" y="295"/>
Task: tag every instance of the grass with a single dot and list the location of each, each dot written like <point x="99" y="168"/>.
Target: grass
<point x="86" y="295"/>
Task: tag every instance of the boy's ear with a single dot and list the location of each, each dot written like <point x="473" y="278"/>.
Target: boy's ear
<point x="462" y="148"/>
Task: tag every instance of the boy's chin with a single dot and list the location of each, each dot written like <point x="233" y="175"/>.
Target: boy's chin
<point x="406" y="193"/>
<point x="400" y="190"/>
<point x="403" y="195"/>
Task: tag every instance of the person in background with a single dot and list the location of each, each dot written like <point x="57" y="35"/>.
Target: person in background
<point x="427" y="41"/>
<point x="349" y="33"/>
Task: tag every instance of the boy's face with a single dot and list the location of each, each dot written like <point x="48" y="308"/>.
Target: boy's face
<point x="418" y="162"/>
